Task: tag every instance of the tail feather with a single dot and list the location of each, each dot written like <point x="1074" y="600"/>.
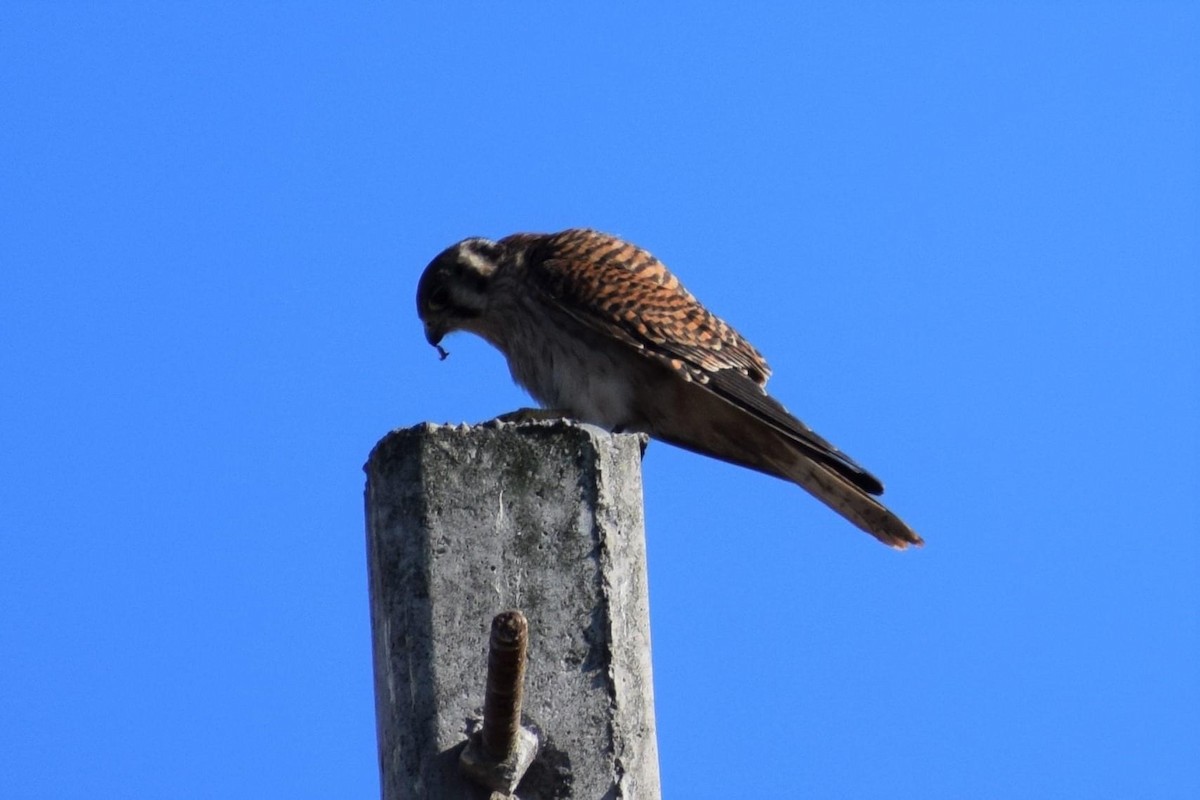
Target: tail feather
<point x="853" y="503"/>
<point x="698" y="420"/>
<point x="775" y="456"/>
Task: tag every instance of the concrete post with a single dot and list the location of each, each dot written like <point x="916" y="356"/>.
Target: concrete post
<point x="465" y="522"/>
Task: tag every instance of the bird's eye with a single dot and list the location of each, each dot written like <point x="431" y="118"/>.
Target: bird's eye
<point x="438" y="299"/>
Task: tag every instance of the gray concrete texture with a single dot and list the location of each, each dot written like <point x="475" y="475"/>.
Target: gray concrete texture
<point x="464" y="522"/>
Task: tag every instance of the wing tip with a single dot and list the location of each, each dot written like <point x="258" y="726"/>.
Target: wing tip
<point x="868" y="482"/>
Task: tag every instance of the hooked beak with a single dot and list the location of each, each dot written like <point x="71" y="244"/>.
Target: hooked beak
<point x="434" y="335"/>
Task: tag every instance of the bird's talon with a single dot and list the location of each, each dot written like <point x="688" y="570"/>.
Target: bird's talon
<point x="531" y="415"/>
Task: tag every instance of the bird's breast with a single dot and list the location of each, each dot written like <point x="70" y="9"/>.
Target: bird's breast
<point x="591" y="380"/>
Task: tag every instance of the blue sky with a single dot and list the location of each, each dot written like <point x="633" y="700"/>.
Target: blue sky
<point x="965" y="236"/>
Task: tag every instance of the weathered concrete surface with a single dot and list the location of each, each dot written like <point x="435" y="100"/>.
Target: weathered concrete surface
<point x="463" y="522"/>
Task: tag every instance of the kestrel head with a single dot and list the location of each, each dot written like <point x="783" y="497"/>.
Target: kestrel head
<point x="453" y="291"/>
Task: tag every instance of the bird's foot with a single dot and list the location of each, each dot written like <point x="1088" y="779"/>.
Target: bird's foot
<point x="534" y="415"/>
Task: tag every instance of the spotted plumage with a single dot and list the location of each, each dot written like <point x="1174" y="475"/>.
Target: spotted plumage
<point x="599" y="330"/>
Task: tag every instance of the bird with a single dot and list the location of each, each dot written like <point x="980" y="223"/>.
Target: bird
<point x="597" y="329"/>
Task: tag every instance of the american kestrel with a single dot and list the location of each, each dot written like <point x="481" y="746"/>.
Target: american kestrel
<point x="598" y="330"/>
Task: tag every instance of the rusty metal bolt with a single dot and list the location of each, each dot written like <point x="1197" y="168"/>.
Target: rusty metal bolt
<point x="505" y="681"/>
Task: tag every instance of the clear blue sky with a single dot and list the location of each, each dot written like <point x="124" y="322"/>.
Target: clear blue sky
<point x="966" y="236"/>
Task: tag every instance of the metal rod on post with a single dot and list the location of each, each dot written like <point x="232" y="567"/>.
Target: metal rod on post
<point x="505" y="676"/>
<point x="499" y="755"/>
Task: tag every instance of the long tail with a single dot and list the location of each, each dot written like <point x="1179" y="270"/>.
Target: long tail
<point x="852" y="503"/>
<point x="764" y="450"/>
<point x="775" y="456"/>
<point x="716" y="426"/>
